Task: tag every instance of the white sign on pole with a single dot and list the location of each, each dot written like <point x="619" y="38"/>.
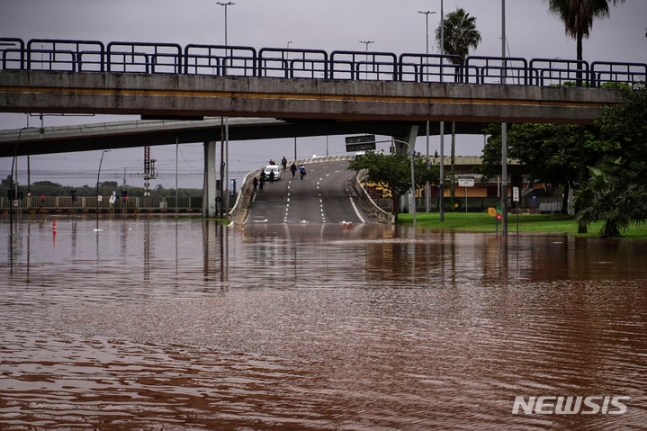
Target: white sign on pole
<point x="466" y="182"/>
<point x="515" y="194"/>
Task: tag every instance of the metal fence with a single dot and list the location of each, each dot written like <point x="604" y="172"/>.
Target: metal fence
<point x="242" y="61"/>
<point x="65" y="204"/>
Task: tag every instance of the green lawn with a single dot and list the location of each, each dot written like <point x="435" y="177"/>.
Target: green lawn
<point x="482" y="222"/>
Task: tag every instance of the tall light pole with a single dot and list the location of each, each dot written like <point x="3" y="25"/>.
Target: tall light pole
<point x="441" y="209"/>
<point x="366" y="42"/>
<point x="13" y="183"/>
<point x="427" y="13"/>
<point x="98" y="176"/>
<point x="504" y="137"/>
<point x="226" y="5"/>
<point x="427" y="188"/>
<point x="225" y="199"/>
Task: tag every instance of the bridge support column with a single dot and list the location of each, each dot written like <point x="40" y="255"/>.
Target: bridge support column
<point x="209" y="192"/>
<point x="410" y="139"/>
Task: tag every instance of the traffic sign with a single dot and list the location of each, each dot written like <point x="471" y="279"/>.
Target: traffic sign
<point x="360" y="143"/>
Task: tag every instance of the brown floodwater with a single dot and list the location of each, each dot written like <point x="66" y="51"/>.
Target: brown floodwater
<point x="164" y="324"/>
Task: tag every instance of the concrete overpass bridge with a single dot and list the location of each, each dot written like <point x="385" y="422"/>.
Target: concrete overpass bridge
<point x="167" y="80"/>
<point x="128" y="134"/>
<point x="300" y="91"/>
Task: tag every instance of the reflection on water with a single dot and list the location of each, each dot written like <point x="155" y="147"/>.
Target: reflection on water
<point x="162" y="324"/>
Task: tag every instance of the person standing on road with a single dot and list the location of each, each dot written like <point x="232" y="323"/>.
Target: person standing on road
<point x="293" y="169"/>
<point x="284" y="163"/>
<point x="261" y="183"/>
<point x="302" y="171"/>
<point x="255" y="184"/>
<point x="272" y="177"/>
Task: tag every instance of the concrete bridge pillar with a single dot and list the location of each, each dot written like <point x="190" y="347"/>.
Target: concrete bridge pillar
<point x="410" y="139"/>
<point x="209" y="192"/>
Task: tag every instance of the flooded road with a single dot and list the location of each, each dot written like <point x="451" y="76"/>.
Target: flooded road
<point x="158" y="324"/>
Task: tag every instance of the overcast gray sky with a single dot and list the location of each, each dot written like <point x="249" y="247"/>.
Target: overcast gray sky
<point x="393" y="25"/>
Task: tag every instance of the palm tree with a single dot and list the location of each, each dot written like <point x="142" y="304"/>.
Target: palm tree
<point x="610" y="198"/>
<point x="578" y="16"/>
<point x="460" y="34"/>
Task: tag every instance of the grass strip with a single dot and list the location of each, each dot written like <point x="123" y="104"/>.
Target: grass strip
<point x="539" y="223"/>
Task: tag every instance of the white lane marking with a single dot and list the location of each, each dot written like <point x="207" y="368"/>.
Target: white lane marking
<point x="352" y="202"/>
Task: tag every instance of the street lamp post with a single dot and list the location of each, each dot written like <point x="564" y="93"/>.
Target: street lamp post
<point x="225" y="199"/>
<point x="427" y="187"/>
<point x="285" y="55"/>
<point x="504" y="138"/>
<point x="13" y="183"/>
<point x="366" y="42"/>
<point x="226" y="5"/>
<point x="99" y="175"/>
<point x="441" y="209"/>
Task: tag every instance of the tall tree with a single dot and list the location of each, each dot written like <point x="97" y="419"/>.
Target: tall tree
<point x="459" y="34"/>
<point x="578" y="17"/>
<point x="617" y="191"/>
<point x="394" y="172"/>
<point x="550" y="152"/>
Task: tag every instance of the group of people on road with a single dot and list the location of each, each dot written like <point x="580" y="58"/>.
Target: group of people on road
<point x="259" y="183"/>
<point x="301" y="169"/>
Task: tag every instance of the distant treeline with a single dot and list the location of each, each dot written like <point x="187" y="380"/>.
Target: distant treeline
<point x="48" y="188"/>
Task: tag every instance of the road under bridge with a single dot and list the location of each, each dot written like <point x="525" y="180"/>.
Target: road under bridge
<point x="294" y="92"/>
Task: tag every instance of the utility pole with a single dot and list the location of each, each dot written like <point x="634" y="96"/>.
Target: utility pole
<point x="504" y="138"/>
<point x="366" y="42"/>
<point x="226" y="5"/>
<point x="427" y="186"/>
<point x="224" y="200"/>
<point x="150" y="173"/>
<point x="98" y="196"/>
<point x="442" y="123"/>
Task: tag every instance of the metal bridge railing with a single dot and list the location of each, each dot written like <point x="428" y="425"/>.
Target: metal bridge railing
<point x="603" y="72"/>
<point x="220" y="60"/>
<point x="128" y="57"/>
<point x="293" y="63"/>
<point x="496" y="70"/>
<point x="430" y="68"/>
<point x="64" y="55"/>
